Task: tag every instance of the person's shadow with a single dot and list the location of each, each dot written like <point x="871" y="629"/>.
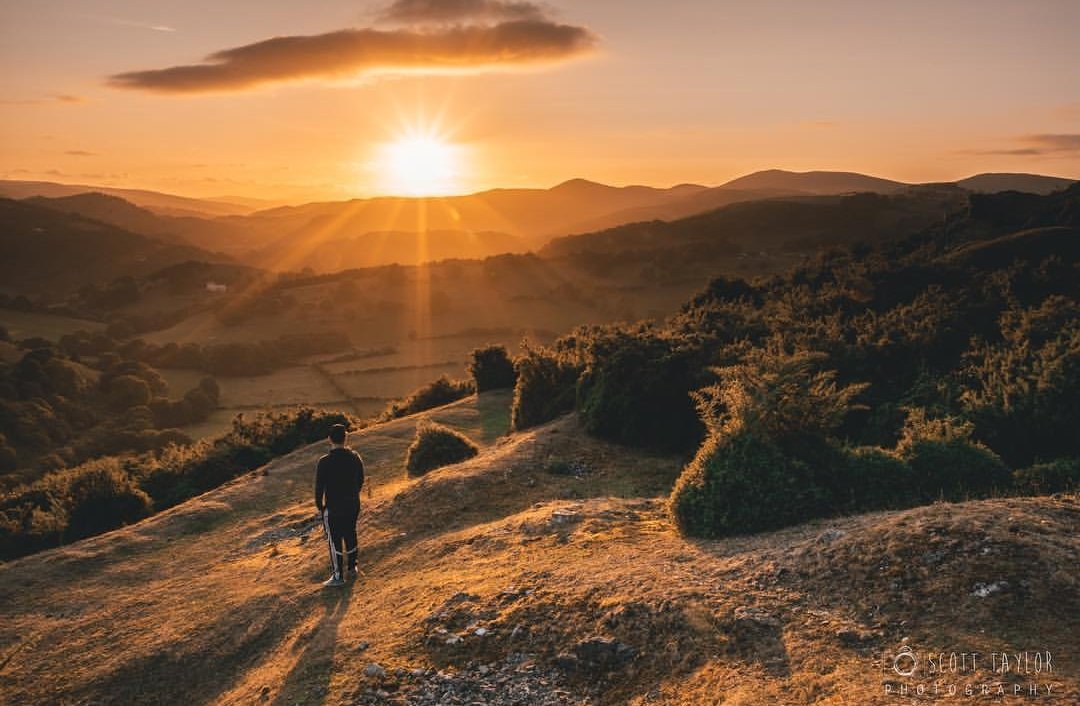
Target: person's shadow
<point x="313" y="668"/>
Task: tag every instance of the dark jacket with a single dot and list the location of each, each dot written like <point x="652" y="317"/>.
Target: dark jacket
<point x="339" y="476"/>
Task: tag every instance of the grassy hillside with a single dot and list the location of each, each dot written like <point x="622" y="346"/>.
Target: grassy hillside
<point x="543" y="571"/>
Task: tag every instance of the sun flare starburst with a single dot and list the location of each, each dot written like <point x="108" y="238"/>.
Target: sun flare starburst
<point x="420" y="165"/>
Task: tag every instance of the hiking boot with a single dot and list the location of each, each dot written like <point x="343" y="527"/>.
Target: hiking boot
<point x="352" y="573"/>
<point x="334" y="580"/>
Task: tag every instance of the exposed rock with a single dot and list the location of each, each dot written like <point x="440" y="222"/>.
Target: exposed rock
<point x="984" y="590"/>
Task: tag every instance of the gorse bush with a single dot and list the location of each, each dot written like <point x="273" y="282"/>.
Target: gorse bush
<point x="635" y="388"/>
<point x="768" y="461"/>
<point x="98" y="497"/>
<point x="546" y="387"/>
<point x="1060" y="475"/>
<point x="871" y="478"/>
<point x="435" y="394"/>
<point x="1022" y="391"/>
<point x="742" y="482"/>
<point x="785" y="397"/>
<point x="492" y="369"/>
<point x="436" y="446"/>
<point x="946" y="462"/>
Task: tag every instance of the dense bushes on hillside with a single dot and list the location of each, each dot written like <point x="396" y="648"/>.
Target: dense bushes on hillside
<point x="1059" y="475"/>
<point x="106" y="493"/>
<point x="436" y="393"/>
<point x="946" y="462"/>
<point x="492" y="368"/>
<point x="545" y="388"/>
<point x="57" y="412"/>
<point x="636" y="384"/>
<point x="1021" y="390"/>
<point x="960" y="344"/>
<point x="436" y="446"/>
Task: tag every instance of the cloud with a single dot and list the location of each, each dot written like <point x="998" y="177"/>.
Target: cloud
<point x="81" y="153"/>
<point x="1046" y="144"/>
<point x="143" y="25"/>
<point x="350" y="52"/>
<point x="58" y="98"/>
<point x="438" y="11"/>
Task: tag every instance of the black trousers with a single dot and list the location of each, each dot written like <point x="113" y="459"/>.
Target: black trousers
<point x="340" y="526"/>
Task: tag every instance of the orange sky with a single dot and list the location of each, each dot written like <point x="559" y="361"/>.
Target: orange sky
<point x="187" y="96"/>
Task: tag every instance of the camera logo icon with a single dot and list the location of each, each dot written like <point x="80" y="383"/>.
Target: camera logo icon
<point x="905" y="662"/>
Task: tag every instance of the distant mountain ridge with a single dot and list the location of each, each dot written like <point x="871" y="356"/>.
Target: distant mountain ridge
<point x="819" y="183"/>
<point x="156" y="201"/>
<point x="1025" y="183"/>
<point x="524" y="218"/>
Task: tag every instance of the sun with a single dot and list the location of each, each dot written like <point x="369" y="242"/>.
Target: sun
<point x="420" y="165"/>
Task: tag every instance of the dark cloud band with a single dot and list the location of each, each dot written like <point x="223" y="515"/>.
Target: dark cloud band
<point x="429" y="11"/>
<point x="1040" y="145"/>
<point x="354" y="51"/>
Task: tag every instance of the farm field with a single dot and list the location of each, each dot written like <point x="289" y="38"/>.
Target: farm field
<point x="23" y="324"/>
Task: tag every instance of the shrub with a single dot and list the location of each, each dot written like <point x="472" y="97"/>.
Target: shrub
<point x="1021" y="392"/>
<point x="636" y="386"/>
<point x="98" y="497"/>
<point x="743" y="483"/>
<point x="785" y="397"/>
<point x="871" y="478"/>
<point x="436" y="446"/>
<point x="946" y="462"/>
<point x="435" y="394"/>
<point x="1057" y="476"/>
<point x="769" y="459"/>
<point x="492" y="369"/>
<point x="545" y="387"/>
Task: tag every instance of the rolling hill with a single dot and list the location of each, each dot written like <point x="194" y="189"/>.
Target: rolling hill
<point x="165" y="204"/>
<point x="210" y="233"/>
<point x="46" y="251"/>
<point x="791" y="224"/>
<point x="346" y="234"/>
<point x="820" y="183"/>
<point x="496" y="581"/>
<point x="1027" y="183"/>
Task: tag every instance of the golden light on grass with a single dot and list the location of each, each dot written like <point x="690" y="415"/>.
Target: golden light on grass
<point x="420" y="164"/>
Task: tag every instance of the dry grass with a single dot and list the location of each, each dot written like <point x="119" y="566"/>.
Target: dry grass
<point x="217" y="601"/>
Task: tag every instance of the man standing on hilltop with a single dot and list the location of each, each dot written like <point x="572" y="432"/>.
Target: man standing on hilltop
<point x="339" y="476"/>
